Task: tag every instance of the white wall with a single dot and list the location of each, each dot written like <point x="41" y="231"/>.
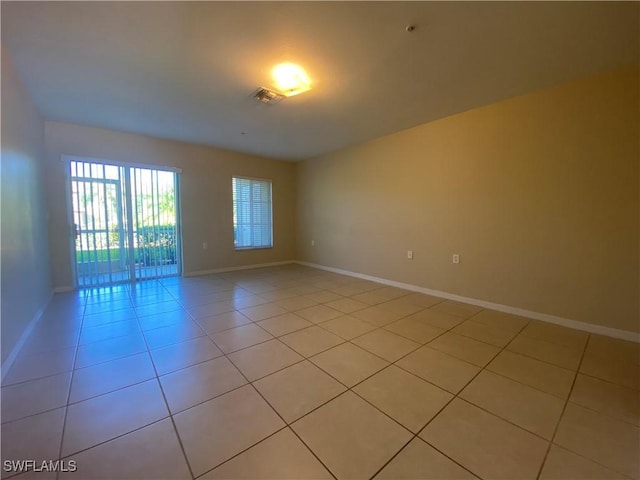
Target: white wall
<point x="26" y="282"/>
<point x="206" y="197"/>
<point x="538" y="194"/>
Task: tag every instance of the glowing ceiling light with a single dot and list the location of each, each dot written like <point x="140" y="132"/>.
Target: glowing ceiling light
<point x="290" y="79"/>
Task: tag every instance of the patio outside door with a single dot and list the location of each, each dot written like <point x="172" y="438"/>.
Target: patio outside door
<point x="125" y="223"/>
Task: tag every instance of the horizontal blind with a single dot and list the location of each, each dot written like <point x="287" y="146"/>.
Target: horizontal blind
<point x="252" y="213"/>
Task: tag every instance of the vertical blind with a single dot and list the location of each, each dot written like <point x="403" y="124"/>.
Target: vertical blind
<point x="252" y="218"/>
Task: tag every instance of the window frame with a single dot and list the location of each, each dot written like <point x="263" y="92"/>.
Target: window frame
<point x="236" y="223"/>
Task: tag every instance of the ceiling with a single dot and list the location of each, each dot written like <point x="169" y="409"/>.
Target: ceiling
<point x="185" y="70"/>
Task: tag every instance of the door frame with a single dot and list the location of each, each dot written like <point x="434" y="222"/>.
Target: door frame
<point x="66" y="160"/>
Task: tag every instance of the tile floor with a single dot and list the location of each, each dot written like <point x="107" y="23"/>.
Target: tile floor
<point x="292" y="372"/>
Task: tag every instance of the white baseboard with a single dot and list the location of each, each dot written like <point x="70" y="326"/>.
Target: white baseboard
<point x="63" y="289"/>
<point x="11" y="358"/>
<point x="565" y="322"/>
<point x="198" y="273"/>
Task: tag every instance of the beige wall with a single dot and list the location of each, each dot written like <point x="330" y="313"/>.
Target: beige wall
<point x="26" y="281"/>
<point x="538" y="194"/>
<point x="207" y="212"/>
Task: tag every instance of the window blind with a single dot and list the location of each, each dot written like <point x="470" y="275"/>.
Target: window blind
<point x="252" y="218"/>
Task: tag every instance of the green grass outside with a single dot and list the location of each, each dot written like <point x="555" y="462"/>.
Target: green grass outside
<point x="101" y="255"/>
<point x="98" y="255"/>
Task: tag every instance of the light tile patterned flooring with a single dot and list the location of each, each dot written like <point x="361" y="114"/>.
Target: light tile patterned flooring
<point x="292" y="372"/>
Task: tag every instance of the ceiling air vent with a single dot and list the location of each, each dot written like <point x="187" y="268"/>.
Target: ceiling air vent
<point x="267" y="96"/>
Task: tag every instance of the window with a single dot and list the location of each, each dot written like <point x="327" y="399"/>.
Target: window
<point x="252" y="222"/>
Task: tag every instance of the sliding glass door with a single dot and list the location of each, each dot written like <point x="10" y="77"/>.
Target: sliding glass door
<point x="125" y="223"/>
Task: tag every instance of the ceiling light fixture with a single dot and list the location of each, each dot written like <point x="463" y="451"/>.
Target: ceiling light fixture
<point x="266" y="95"/>
<point x="291" y="79"/>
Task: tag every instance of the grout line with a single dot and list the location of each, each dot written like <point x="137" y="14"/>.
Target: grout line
<point x="605" y="414"/>
<point x="265" y="278"/>
<point x="207" y="400"/>
<point x="455" y="396"/>
<point x="350" y="389"/>
<point x="326" y="467"/>
<point x="564" y="408"/>
<point x="286" y="424"/>
<point x="22" y="382"/>
<point x="416" y="437"/>
<point x="541" y="360"/>
<point x="164" y="397"/>
<point x="66" y="406"/>
<point x="319" y="406"/>
<point x="117" y="437"/>
<point x="241" y="452"/>
<point x="289" y="425"/>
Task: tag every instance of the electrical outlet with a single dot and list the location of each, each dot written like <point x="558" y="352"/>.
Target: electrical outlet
<point x="205" y="245"/>
<point x="410" y="254"/>
<point x="456" y="258"/>
<point x="313" y="243"/>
